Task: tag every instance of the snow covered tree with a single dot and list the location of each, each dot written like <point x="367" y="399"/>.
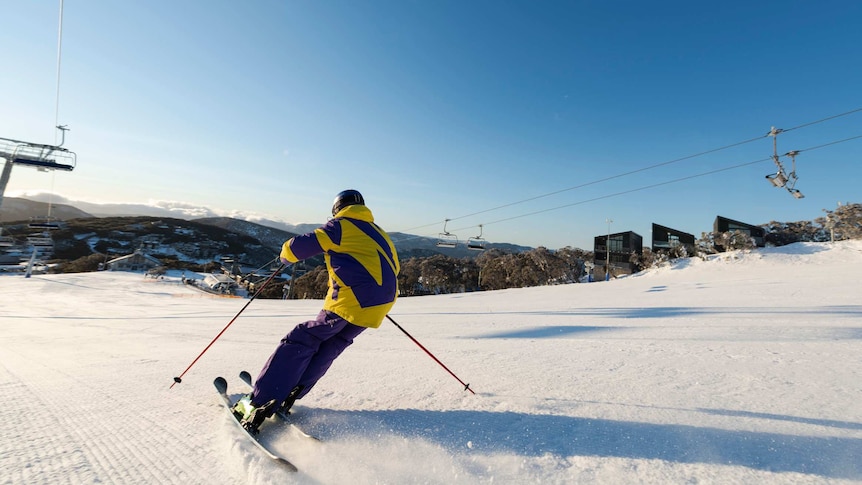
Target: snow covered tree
<point x="574" y="260"/>
<point x="716" y="242"/>
<point x="311" y="285"/>
<point x="845" y="222"/>
<point x="410" y="276"/>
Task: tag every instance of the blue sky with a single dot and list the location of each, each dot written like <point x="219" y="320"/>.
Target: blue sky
<point x="444" y="109"/>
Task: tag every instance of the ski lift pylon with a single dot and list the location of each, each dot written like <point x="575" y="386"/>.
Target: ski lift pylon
<point x="476" y="243"/>
<point x="446" y="239"/>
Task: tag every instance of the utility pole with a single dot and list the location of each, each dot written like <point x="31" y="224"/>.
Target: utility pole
<point x="608" y="251"/>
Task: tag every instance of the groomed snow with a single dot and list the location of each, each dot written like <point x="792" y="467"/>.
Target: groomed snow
<point x="745" y="368"/>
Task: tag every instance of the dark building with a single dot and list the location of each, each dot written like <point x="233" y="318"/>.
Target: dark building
<point x="621" y="246"/>
<point x="665" y="238"/>
<point x="723" y="224"/>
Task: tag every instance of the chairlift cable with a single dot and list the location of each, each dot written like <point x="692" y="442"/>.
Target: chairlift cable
<point x="56" y="102"/>
<point x="670" y="162"/>
<point x="612" y="177"/>
<point x="681" y="179"/>
<point x="638" y="189"/>
<point x="805" y="125"/>
<point x="59" y="63"/>
<point x="824" y="145"/>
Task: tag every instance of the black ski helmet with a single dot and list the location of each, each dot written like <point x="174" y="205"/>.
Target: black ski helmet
<point x="346" y="198"/>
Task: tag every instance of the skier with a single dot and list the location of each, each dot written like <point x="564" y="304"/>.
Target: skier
<point x="363" y="268"/>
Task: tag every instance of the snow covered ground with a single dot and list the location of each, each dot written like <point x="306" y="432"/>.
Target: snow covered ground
<point x="745" y="368"/>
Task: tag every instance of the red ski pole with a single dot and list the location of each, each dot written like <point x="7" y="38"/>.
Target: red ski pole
<point x="179" y="378"/>
<point x="466" y="386"/>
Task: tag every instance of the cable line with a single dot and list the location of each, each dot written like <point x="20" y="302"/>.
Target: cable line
<point x="632" y="172"/>
<point x="824" y="119"/>
<point x="681" y="179"/>
<point x="651" y="186"/>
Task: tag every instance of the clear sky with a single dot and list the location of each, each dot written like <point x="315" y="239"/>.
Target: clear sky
<point x="445" y="109"/>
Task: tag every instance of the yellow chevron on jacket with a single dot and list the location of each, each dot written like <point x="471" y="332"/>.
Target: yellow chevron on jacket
<point x="362" y="264"/>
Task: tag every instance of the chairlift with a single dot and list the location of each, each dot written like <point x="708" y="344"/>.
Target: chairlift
<point x="781" y="179"/>
<point x="36" y="155"/>
<point x="40" y="239"/>
<point x="778" y="179"/>
<point x="44" y="223"/>
<point x="476" y="243"/>
<point x="792" y="178"/>
<point x="445" y="239"/>
<point x="42" y="244"/>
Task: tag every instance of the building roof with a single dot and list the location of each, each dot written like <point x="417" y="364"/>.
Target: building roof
<point x="136" y="253"/>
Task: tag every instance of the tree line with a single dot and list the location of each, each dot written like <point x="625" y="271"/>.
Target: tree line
<point x="495" y="269"/>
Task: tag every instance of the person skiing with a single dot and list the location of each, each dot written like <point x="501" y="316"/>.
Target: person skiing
<point x="363" y="286"/>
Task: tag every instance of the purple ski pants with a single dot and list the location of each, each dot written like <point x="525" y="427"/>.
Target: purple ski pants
<point x="303" y="356"/>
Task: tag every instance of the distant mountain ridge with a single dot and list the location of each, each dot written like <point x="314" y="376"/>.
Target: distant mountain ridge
<point x="17" y="209"/>
<point x="269" y="237"/>
<point x="271" y="234"/>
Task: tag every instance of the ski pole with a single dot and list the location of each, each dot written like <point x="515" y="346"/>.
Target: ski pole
<point x="466" y="386"/>
<point x="179" y="378"/>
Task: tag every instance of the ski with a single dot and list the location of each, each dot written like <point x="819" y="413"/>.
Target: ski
<point x="246" y="377"/>
<point x="220" y="384"/>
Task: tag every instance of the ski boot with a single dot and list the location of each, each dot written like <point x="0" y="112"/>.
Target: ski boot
<point x="251" y="416"/>
<point x="284" y="409"/>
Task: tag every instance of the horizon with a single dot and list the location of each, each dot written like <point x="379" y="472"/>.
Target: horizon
<point x="539" y="122"/>
<point x="183" y="211"/>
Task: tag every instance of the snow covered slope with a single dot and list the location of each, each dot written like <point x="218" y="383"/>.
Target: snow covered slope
<point x="744" y="368"/>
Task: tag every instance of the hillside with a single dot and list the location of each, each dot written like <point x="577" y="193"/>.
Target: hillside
<point x="169" y="239"/>
<point x="17" y="209"/>
<point x="269" y="234"/>
<point x="269" y="237"/>
<point x="738" y="369"/>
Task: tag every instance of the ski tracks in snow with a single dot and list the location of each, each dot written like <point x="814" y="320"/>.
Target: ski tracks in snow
<point x="58" y="430"/>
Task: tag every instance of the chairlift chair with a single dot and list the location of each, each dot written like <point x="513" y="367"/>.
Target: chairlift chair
<point x="44" y="223"/>
<point x="777" y="179"/>
<point x="445" y="239"/>
<point x="476" y="243"/>
<point x="42" y="243"/>
<point x="37" y="155"/>
<point x="781" y="179"/>
<point x="791" y="186"/>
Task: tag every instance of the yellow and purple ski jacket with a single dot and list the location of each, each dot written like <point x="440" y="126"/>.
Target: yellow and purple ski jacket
<point x="362" y="263"/>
